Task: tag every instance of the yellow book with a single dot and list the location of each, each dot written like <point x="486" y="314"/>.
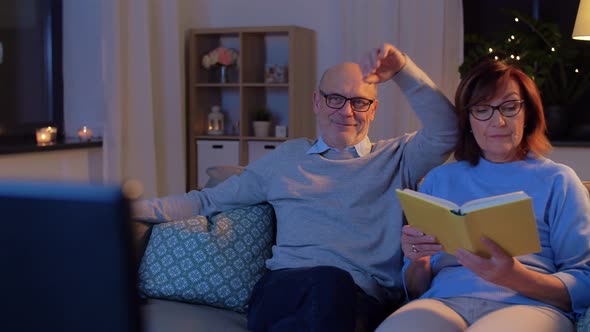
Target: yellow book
<point x="507" y="219"/>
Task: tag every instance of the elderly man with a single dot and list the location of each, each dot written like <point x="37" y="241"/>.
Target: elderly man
<point x="337" y="259"/>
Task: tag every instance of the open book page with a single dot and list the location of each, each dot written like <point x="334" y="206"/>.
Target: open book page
<point x="508" y="220"/>
<point x="434" y="218"/>
<point x="436" y="200"/>
<point x="511" y="225"/>
<point x="481" y="203"/>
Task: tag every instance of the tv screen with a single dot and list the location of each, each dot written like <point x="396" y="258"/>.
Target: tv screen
<point x="67" y="259"/>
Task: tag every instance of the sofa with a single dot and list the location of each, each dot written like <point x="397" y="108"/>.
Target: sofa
<point x="170" y="310"/>
<point x="177" y="315"/>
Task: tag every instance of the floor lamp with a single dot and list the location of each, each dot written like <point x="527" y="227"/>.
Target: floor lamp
<point x="582" y="26"/>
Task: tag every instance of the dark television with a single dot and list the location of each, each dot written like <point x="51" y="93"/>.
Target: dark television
<point x="31" y="88"/>
<point x="67" y="258"/>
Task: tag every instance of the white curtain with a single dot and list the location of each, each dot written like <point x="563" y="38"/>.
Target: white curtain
<point x="142" y="75"/>
<point x="429" y="31"/>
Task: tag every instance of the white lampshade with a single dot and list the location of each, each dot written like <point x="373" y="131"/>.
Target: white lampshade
<point x="582" y="26"/>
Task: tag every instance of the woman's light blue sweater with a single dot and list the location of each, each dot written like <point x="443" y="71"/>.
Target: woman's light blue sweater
<point x="562" y="211"/>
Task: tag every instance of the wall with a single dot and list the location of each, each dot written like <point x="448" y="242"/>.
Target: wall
<point x="325" y="18"/>
<point x="322" y="16"/>
<point x="83" y="165"/>
<point x="83" y="85"/>
<point x="577" y="158"/>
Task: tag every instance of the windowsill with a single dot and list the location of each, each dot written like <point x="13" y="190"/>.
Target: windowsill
<point x="27" y="146"/>
<point x="572" y="144"/>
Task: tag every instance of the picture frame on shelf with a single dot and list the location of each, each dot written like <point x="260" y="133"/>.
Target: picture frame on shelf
<point x="274" y="73"/>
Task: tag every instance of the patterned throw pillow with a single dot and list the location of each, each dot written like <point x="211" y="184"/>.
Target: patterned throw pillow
<point x="214" y="262"/>
<point x="583" y="323"/>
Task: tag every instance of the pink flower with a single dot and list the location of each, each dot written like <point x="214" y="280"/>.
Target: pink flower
<point x="225" y="57"/>
<point x="221" y="55"/>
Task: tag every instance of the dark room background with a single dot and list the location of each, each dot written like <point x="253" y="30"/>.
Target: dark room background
<point x="488" y="19"/>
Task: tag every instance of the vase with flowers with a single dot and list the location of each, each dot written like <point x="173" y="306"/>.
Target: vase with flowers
<point x="221" y="57"/>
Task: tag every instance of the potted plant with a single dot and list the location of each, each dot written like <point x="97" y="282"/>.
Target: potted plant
<point x="545" y="55"/>
<point x="261" y="122"/>
<point x="533" y="44"/>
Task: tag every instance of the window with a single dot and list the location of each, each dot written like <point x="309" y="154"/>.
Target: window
<point x="31" y="88"/>
<point x="491" y="20"/>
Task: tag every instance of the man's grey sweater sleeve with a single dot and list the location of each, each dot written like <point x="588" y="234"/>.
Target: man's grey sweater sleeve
<point x="432" y="144"/>
<point x="241" y="190"/>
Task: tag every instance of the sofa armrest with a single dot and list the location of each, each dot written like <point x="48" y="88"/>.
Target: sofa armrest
<point x="141" y="232"/>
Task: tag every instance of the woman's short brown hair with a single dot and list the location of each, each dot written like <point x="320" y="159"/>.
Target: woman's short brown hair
<point x="480" y="84"/>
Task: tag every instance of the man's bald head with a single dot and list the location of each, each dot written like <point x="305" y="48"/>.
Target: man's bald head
<point x="345" y="75"/>
<point x="344" y="126"/>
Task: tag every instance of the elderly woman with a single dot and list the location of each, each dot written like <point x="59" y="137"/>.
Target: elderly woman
<point x="501" y="150"/>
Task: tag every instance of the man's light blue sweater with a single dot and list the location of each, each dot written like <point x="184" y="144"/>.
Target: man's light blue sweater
<point x="332" y="208"/>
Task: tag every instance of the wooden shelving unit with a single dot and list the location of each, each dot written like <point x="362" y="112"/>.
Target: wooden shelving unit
<point x="290" y="103"/>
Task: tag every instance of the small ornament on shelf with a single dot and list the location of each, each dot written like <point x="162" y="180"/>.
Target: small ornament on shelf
<point x="235" y="129"/>
<point x="215" y="123"/>
<point x="274" y="73"/>
<point x="281" y="131"/>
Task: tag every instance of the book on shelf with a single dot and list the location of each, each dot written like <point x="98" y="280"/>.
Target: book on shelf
<point x="507" y="219"/>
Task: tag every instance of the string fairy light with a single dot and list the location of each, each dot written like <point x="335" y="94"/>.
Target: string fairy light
<point x="535" y="46"/>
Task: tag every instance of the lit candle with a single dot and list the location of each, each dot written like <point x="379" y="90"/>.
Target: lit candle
<point x="85" y="133"/>
<point x="43" y="136"/>
<point x="52" y="131"/>
<point x="215" y="121"/>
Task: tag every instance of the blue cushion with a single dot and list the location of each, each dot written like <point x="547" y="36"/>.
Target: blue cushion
<point x="212" y="261"/>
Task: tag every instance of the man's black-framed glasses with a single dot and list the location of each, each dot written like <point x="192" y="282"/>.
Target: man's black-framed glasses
<point x="337" y="101"/>
<point x="508" y="109"/>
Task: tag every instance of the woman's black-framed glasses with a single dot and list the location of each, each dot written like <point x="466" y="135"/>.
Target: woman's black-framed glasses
<point x="508" y="109"/>
<point x="337" y="101"/>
